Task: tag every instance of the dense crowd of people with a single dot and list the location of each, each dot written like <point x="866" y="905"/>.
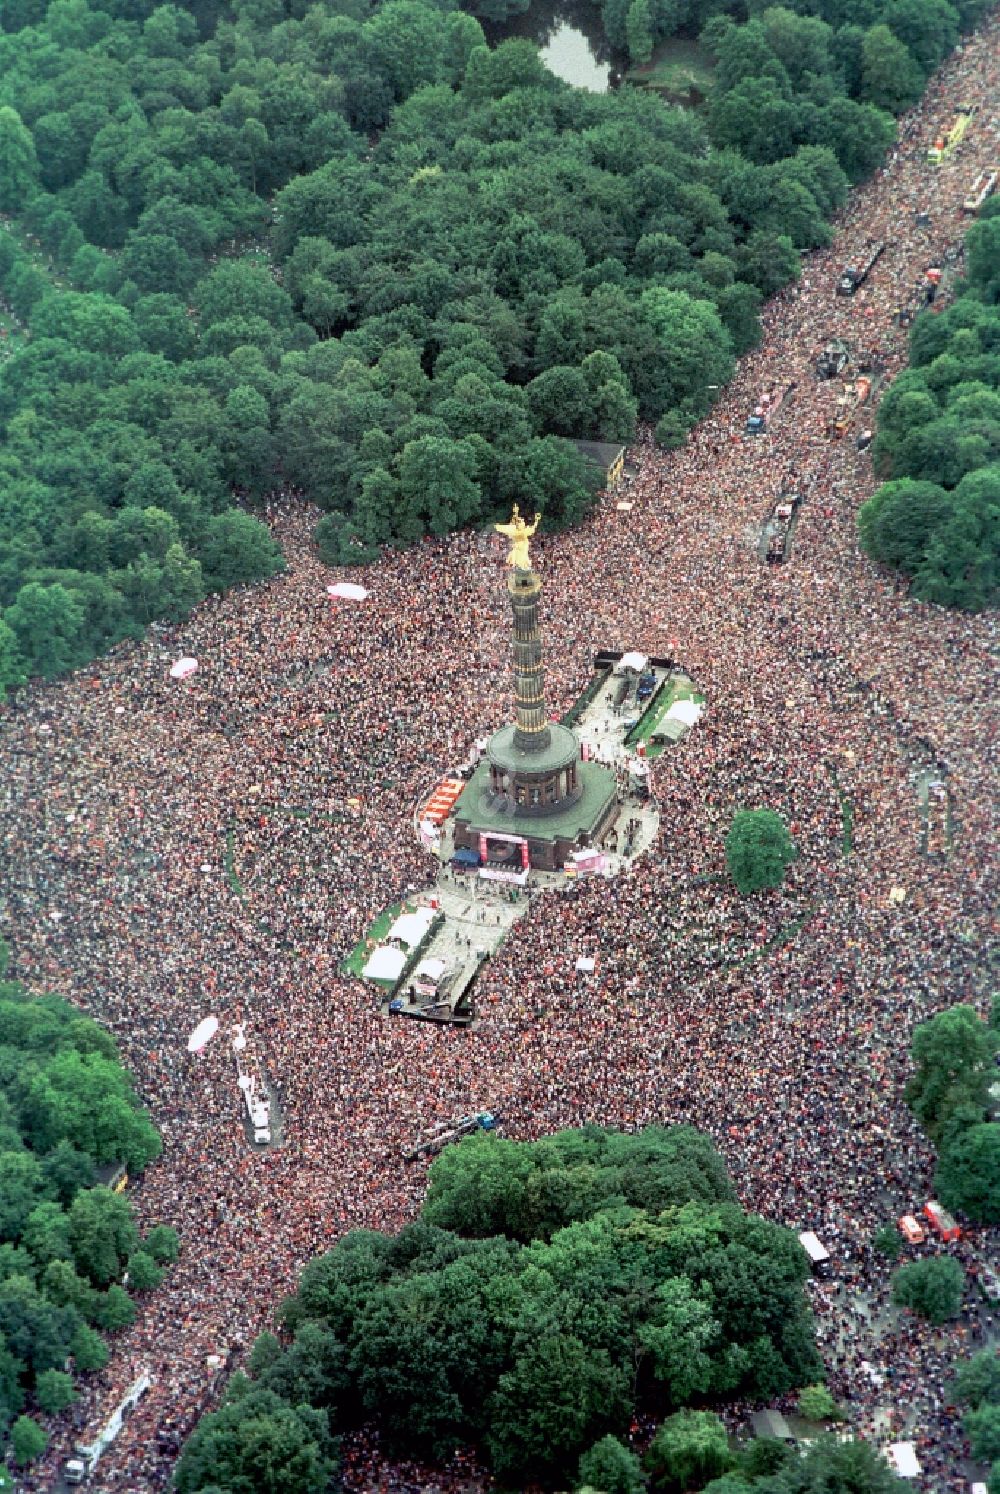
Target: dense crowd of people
<point x="219" y="845"/>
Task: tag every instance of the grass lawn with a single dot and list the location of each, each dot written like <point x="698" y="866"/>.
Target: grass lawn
<point x="678" y="687"/>
<point x="355" y="962"/>
<point x="677" y="68"/>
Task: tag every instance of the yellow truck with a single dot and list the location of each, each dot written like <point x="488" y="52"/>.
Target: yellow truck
<point x="945" y="144"/>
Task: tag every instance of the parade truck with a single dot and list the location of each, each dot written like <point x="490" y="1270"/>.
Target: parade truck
<point x="462" y="1125"/>
<point x="983" y="187"/>
<point x="853" y="276"/>
<point x="855" y="396"/>
<point x="771" y="401"/>
<point x="832" y="360"/>
<point x="955" y="134"/>
<point x="87" y="1455"/>
<point x="779" y="527"/>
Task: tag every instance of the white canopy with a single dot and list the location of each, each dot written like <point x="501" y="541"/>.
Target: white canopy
<point x="203" y="1034"/>
<point x="384" y="963"/>
<point x="410" y="928"/>
<point x="584" y="964"/>
<point x="903" y="1457"/>
<point x="183" y="669"/>
<point x="633" y="660"/>
<point x="687" y="711"/>
<point x="348" y="590"/>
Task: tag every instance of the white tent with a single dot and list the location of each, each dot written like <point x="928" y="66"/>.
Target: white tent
<point x="903" y="1457"/>
<point x="183" y="669"/>
<point x="633" y="660"/>
<point x="203" y="1034"/>
<point x="410" y="928"/>
<point x="384" y="963"/>
<point x="348" y="591"/>
<point x="584" y="964"/>
<point x="686" y="711"/>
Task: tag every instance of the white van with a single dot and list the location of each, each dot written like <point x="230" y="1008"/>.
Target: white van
<point x="819" y="1256"/>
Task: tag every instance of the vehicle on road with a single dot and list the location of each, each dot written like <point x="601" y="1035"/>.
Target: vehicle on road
<point x="853" y="276"/>
<point x="912" y="1230"/>
<point x="819" y="1256"/>
<point x="945" y="144"/>
<point x="771" y="401"/>
<point x="983" y="187"/>
<point x="462" y="1125"/>
<point x="941" y="1221"/>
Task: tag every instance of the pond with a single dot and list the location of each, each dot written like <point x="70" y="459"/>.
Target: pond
<point x="570" y="38"/>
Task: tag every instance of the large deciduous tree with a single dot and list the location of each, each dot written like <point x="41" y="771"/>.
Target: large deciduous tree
<point x="759" y="850"/>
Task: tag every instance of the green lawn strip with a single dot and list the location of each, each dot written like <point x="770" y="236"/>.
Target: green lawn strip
<point x="670" y="76"/>
<point x="847" y="817"/>
<point x="229" y="863"/>
<point x="358" y="957"/>
<point x="675" y="688"/>
<point x="307" y="814"/>
<point x="782" y="937"/>
<point x="583" y="700"/>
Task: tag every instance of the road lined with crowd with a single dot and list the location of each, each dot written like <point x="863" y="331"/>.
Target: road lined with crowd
<point x="219" y="845"/>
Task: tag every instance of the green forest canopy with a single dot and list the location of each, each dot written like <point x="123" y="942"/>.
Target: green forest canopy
<point x="66" y="1106"/>
<point x="547" y="1289"/>
<point x="363" y="254"/>
<point x="938" y="517"/>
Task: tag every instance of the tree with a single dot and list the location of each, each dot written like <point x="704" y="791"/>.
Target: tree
<point x="116" y="1310"/>
<point x="612" y="1468"/>
<point x="817" y="1404"/>
<point x="982" y="1427"/>
<point x="680" y="1336"/>
<point x="89" y="1350"/>
<point x="696" y="346"/>
<point x="437" y="483"/>
<point x="977" y="1380"/>
<point x="54" y="1391"/>
<point x="237" y="548"/>
<point x="46" y="621"/>
<point x="887" y="1242"/>
<point x="28" y="1440"/>
<point x="558" y="1395"/>
<point x="18" y="161"/>
<point x="339" y="541"/>
<point x="931" y="1288"/>
<point x="11" y="665"/>
<point x="899" y="519"/>
<point x="258" y="1442"/>
<point x="265" y="1352"/>
<point x="21" y="1185"/>
<point x="953" y="1055"/>
<point x="163" y="1244"/>
<point x="102" y="1233"/>
<point x="639" y="32"/>
<point x="968" y="1173"/>
<point x="143" y="1273"/>
<point x="46" y="1234"/>
<point x="759" y="850"/>
<point x="832" y="1467"/>
<point x="890" y="78"/>
<point x="689" y="1448"/>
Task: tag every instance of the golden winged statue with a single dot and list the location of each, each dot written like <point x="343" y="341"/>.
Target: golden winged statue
<point x="519" y="532"/>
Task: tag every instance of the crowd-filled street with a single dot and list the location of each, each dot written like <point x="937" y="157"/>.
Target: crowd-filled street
<point x="174" y="849"/>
